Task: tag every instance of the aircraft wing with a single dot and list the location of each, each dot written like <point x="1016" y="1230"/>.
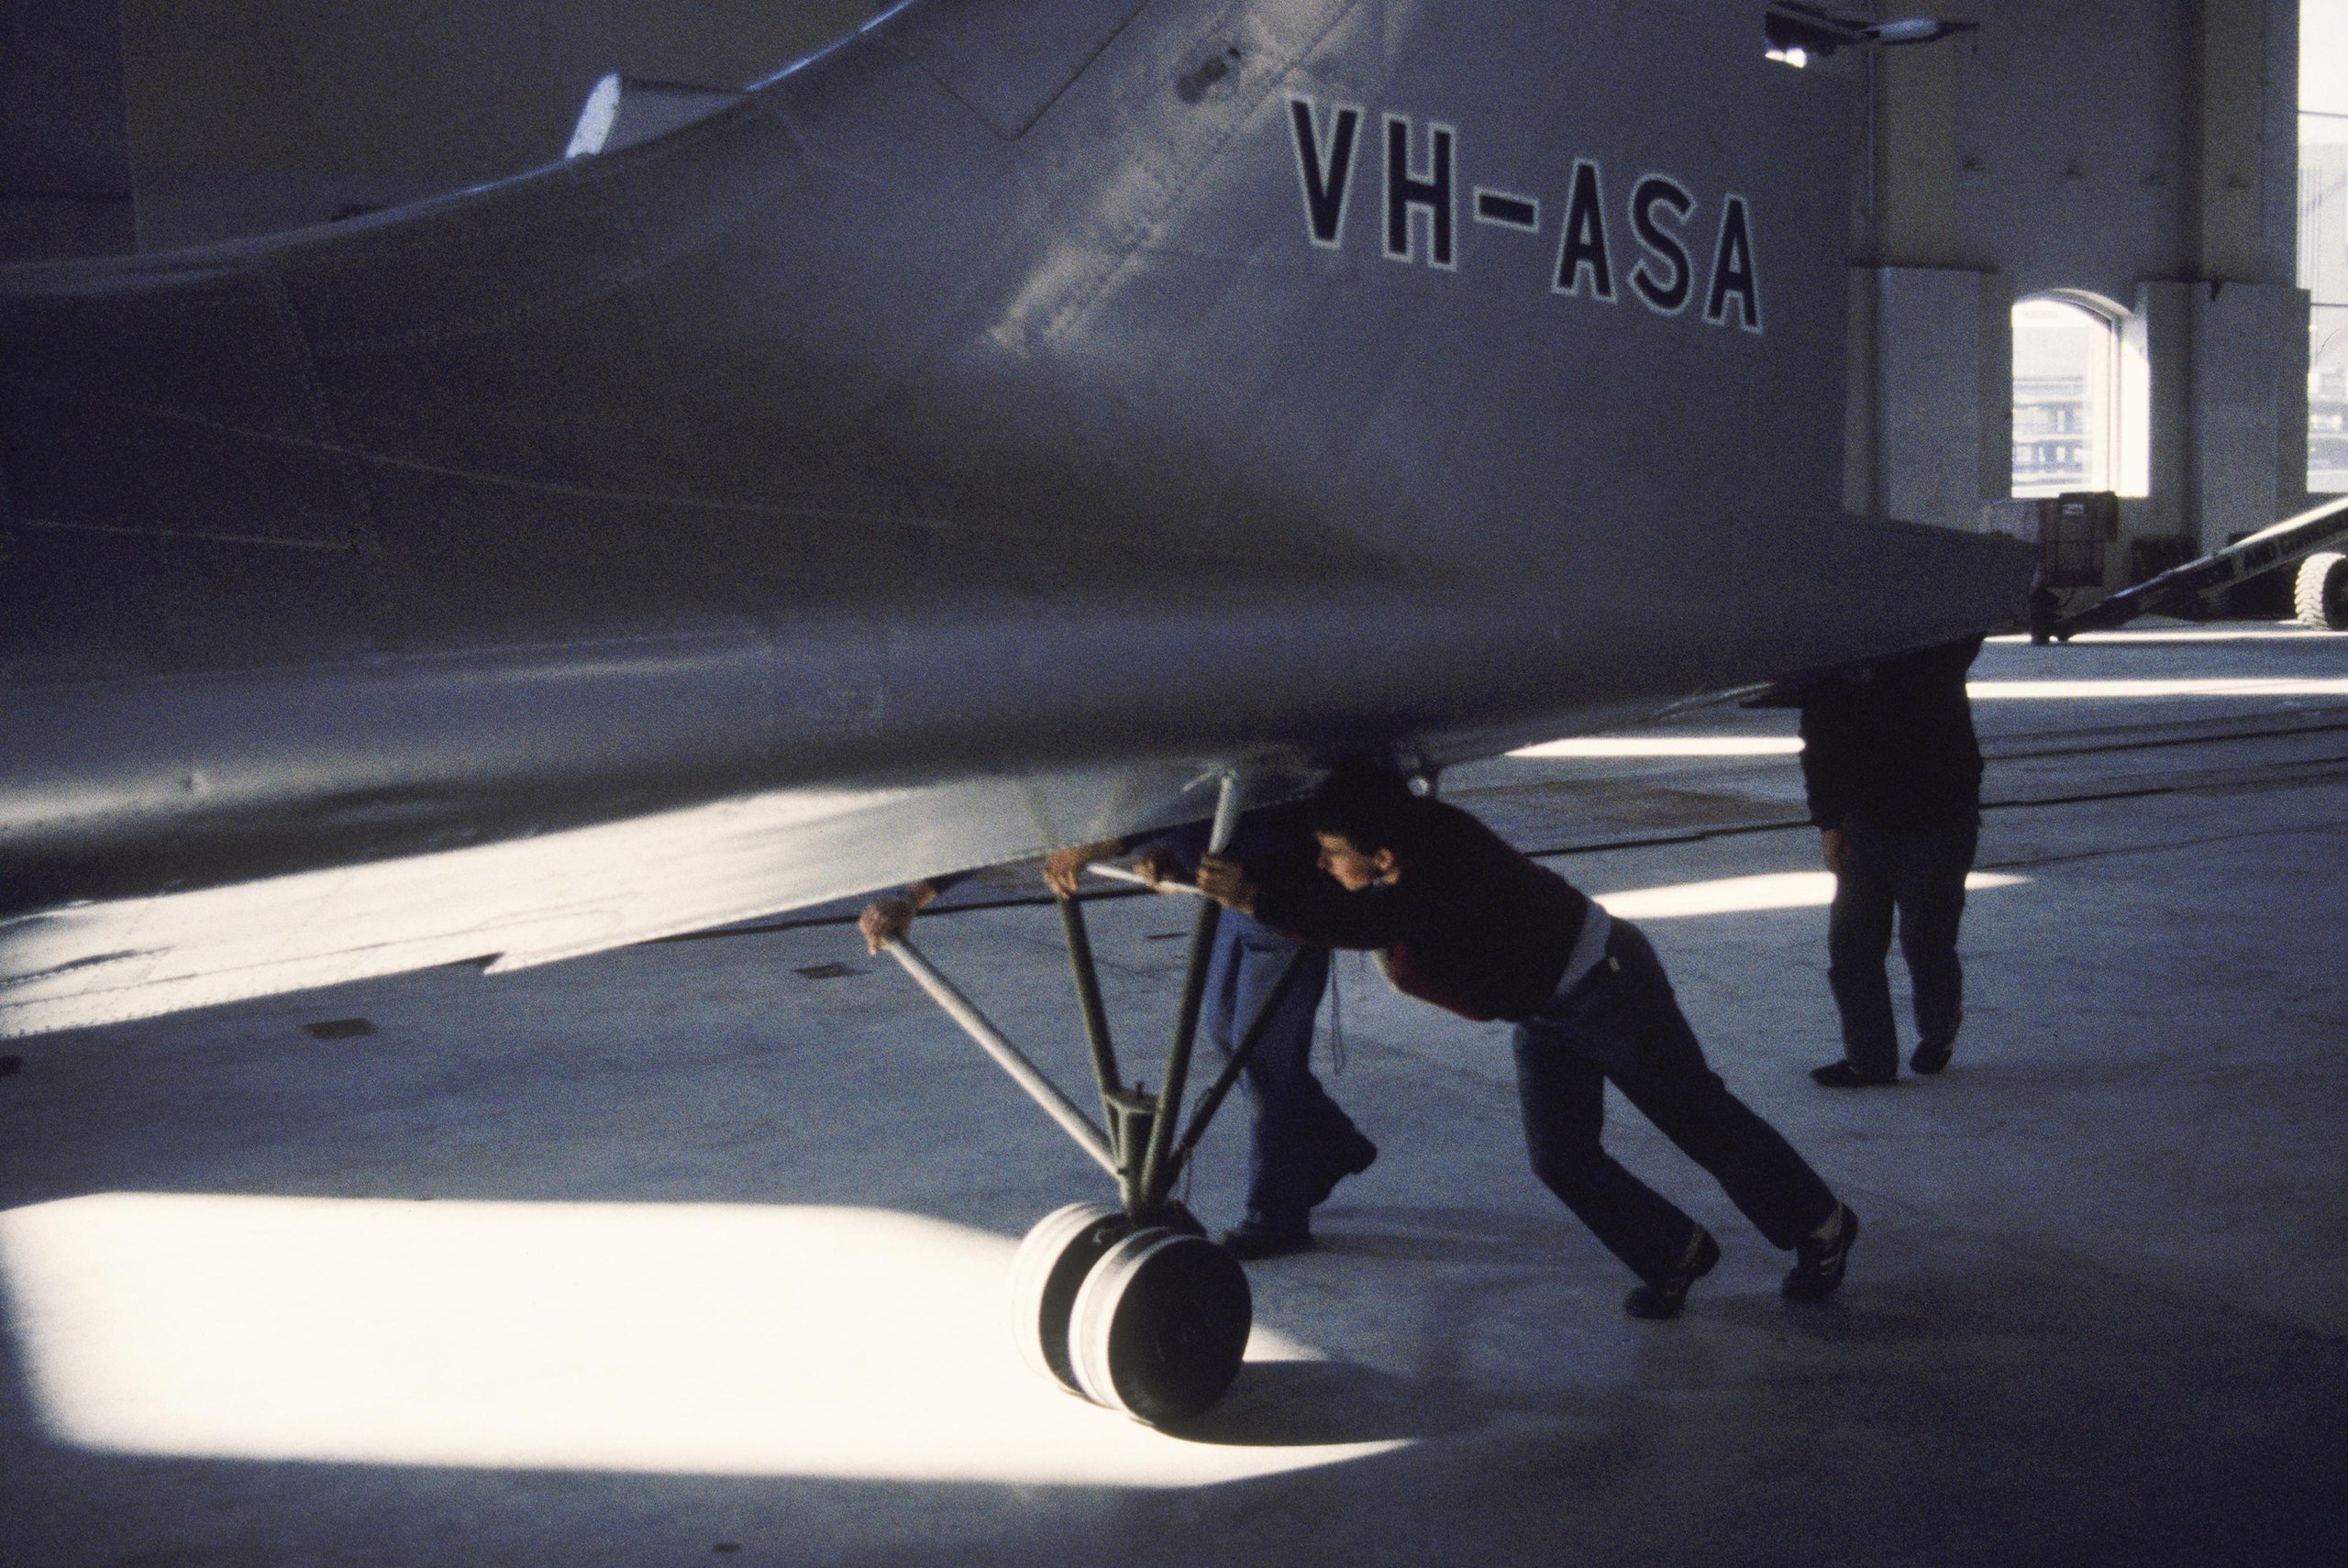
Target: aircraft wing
<point x="954" y="449"/>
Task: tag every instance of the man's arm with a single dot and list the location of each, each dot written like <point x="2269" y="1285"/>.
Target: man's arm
<point x="1312" y="909"/>
<point x="1828" y="758"/>
<point x="1164" y="857"/>
<point x="884" y="919"/>
<point x="1063" y="867"/>
<point x="1828" y="754"/>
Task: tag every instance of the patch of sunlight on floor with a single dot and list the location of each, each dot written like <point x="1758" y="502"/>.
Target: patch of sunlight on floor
<point x="700" y="1338"/>
<point x="1748" y="894"/>
<point x="2189" y="634"/>
<point x="2138" y="690"/>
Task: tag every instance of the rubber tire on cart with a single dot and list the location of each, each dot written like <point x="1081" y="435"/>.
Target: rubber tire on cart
<point x="1161" y="1326"/>
<point x="2322" y="593"/>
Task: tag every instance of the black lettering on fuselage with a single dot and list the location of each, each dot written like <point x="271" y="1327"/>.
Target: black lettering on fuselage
<point x="1582" y="247"/>
<point x="1506" y="210"/>
<point x="1733" y="274"/>
<point x="1423" y="189"/>
<point x="1406" y="192"/>
<point x="1664" y="297"/>
<point x="1325" y="172"/>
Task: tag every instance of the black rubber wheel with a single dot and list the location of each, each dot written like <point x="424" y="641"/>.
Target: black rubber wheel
<point x="1046" y="1275"/>
<point x="2321" y="594"/>
<point x="1161" y="1325"/>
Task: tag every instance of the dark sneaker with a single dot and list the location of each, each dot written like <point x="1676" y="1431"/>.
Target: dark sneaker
<point x="1818" y="1266"/>
<point x="1931" y="1058"/>
<point x="1842" y="1075"/>
<point x="1359" y="1155"/>
<point x="1664" y="1297"/>
<point x="1250" y="1240"/>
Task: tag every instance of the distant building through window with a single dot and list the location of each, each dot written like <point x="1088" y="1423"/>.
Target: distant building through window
<point x="2324" y="236"/>
<point x="2065" y="374"/>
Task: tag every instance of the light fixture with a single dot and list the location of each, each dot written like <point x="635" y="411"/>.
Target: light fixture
<point x="1917" y="29"/>
<point x="1796" y="32"/>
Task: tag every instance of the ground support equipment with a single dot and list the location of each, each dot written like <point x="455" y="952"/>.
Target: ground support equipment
<point x="2184" y="592"/>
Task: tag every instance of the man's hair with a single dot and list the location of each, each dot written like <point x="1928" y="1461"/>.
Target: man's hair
<point x="1366" y="806"/>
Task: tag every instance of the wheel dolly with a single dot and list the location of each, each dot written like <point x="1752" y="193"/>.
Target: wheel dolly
<point x="1129" y="1305"/>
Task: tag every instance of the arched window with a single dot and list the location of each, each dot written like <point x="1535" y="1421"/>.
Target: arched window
<point x="2067" y="397"/>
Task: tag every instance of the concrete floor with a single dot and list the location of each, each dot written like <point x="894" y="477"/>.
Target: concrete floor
<point x="694" y="1251"/>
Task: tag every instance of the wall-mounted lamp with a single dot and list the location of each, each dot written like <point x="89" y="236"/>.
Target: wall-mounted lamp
<point x="1796" y="32"/>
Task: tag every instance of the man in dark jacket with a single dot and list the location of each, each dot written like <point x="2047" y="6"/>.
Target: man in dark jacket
<point x="1465" y="921"/>
<point x="1894" y="776"/>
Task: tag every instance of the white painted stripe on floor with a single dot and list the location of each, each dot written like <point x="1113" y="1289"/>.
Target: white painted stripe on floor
<point x="2141" y="690"/>
<point x="1749" y="895"/>
<point x="1665" y="745"/>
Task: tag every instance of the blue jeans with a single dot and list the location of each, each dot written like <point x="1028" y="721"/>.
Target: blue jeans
<point x="1299" y="1139"/>
<point x="1623" y="1023"/>
<point x="1921" y="877"/>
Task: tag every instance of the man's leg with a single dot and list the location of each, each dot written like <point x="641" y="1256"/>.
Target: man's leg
<point x="1562" y="1092"/>
<point x="1301" y="1144"/>
<point x="1931" y="896"/>
<point x="1669" y="1080"/>
<point x="1858" y="940"/>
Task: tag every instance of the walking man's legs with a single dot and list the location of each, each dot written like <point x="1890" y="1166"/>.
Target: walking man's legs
<point x="1301" y="1143"/>
<point x="1858" y="941"/>
<point x="1931" y="896"/>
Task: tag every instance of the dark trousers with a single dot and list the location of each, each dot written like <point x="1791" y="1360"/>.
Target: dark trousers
<point x="1300" y="1138"/>
<point x="1921" y="875"/>
<point x="1623" y="1023"/>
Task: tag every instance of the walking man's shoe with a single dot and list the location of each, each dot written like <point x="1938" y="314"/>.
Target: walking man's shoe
<point x="1665" y="1296"/>
<point x="1842" y="1075"/>
<point x="1359" y="1155"/>
<point x="1251" y="1239"/>
<point x="1931" y="1057"/>
<point x="1819" y="1259"/>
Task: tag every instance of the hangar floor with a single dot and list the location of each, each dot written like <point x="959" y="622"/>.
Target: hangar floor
<point x="693" y="1250"/>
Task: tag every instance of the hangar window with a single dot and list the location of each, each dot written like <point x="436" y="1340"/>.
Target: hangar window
<point x="2073" y="395"/>
<point x="2323" y="238"/>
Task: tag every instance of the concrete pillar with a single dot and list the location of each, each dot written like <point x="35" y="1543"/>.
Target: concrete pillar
<point x="2229" y="414"/>
<point x="2250" y="407"/>
<point x="2242" y="88"/>
<point x="1917" y="157"/>
<point x="2227" y="343"/>
<point x="1942" y="400"/>
<point x="2165" y="317"/>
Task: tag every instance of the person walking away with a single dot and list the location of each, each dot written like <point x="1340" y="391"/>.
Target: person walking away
<point x="1893" y="773"/>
